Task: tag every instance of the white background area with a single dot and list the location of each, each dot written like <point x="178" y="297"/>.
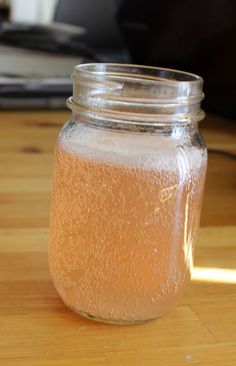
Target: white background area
<point x="33" y="11"/>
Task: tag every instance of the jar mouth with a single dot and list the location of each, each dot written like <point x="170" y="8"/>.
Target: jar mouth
<point x="160" y="74"/>
<point x="136" y="93"/>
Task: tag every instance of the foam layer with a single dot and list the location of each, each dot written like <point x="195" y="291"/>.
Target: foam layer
<point x="137" y="150"/>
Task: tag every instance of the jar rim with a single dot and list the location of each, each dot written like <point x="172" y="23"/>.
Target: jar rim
<point x="93" y="69"/>
<point x="136" y="94"/>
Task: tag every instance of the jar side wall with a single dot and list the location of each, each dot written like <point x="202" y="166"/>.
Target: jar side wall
<point x="125" y="213"/>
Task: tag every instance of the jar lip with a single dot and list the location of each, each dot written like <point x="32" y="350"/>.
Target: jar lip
<point x="133" y="71"/>
<point x="136" y="93"/>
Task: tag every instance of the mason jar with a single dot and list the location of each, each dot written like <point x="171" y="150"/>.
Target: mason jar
<point x="128" y="184"/>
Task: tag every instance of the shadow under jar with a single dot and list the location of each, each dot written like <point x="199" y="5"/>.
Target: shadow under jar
<point x="128" y="183"/>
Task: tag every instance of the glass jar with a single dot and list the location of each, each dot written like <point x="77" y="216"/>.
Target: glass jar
<point x="128" y="183"/>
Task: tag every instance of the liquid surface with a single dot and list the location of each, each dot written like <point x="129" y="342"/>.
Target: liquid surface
<point x="123" y="226"/>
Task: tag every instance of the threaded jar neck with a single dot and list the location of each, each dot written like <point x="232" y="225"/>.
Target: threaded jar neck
<point x="137" y="95"/>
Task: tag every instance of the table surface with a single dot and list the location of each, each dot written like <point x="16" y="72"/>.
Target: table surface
<point x="35" y="326"/>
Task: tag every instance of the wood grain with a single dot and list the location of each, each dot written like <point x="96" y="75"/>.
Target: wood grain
<point x="37" y="329"/>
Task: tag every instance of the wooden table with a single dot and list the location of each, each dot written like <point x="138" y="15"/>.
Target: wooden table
<point x="37" y="329"/>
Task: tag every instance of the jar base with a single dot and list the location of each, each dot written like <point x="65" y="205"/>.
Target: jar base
<point x="107" y="321"/>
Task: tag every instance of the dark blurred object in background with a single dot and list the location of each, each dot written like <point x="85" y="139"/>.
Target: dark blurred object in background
<point x="4" y="10"/>
<point x="54" y="38"/>
<point x="194" y="35"/>
<point x="99" y="18"/>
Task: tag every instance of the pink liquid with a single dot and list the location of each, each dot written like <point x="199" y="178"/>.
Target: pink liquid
<point x="122" y="236"/>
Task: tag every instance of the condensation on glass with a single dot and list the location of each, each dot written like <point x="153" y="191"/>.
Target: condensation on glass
<point x="128" y="183"/>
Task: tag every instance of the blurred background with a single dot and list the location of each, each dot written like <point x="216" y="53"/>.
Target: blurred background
<point x="41" y="41"/>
